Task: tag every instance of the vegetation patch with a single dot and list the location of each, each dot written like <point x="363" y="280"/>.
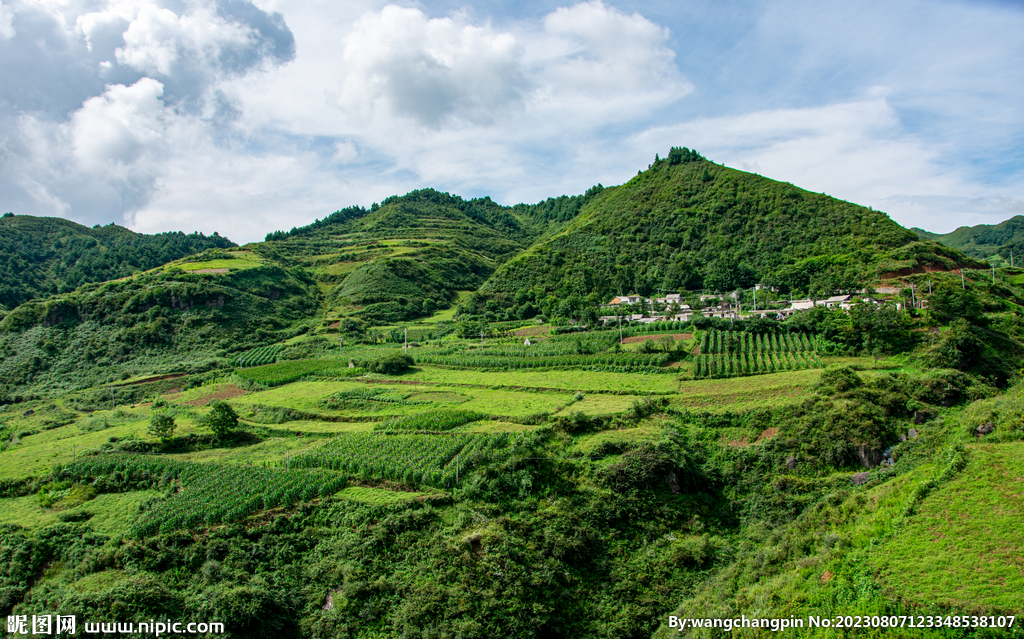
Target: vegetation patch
<point x="379" y="496"/>
<point x="968" y="527"/>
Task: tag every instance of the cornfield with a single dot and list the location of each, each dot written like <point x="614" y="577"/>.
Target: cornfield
<point x="209" y="493"/>
<point x="415" y="459"/>
<point x="259" y="356"/>
<point x="732" y="353"/>
<point x="294" y="370"/>
<point x="435" y="420"/>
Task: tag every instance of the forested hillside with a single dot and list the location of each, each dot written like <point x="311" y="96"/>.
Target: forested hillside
<point x="993" y="242"/>
<point x="687" y="223"/>
<point x="42" y="256"/>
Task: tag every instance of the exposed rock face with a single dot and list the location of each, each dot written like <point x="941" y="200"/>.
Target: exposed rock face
<point x="859" y="479"/>
<point x="791" y="462"/>
<point x="912" y="433"/>
<point x="986" y="428"/>
<point x="869" y="457"/>
<point x="673" y="482"/>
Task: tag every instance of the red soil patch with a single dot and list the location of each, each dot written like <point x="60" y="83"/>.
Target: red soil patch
<point x="224" y="393"/>
<point x="768" y="433"/>
<point x="645" y="338"/>
<point x="334" y="325"/>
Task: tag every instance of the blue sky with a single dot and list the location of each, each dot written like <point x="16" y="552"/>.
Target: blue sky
<point x="244" y="116"/>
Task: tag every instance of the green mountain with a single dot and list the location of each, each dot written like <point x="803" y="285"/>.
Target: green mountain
<point x="993" y="242"/>
<point x="42" y="256"/>
<point x="410" y="255"/>
<point x="698" y="225"/>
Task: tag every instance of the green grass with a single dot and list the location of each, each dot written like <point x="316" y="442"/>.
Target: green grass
<point x="965" y="545"/>
<point x="268" y="451"/>
<point x="648" y="430"/>
<point x="495" y="426"/>
<point x="746" y="393"/>
<point x="378" y="496"/>
<point x="239" y="260"/>
<point x="600" y="405"/>
<point x="36" y="453"/>
<point x="111" y="512"/>
<point x="99" y="581"/>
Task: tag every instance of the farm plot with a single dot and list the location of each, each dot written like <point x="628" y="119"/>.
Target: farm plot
<point x="416" y="459"/>
<point x="735" y="353"/>
<point x="210" y="493"/>
<point x="291" y="371"/>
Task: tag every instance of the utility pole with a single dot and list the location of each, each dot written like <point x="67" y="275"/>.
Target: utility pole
<point x="405" y="346"/>
<point x="929" y="287"/>
<point x="481" y="338"/>
<point x="963" y="282"/>
<point x="913" y="296"/>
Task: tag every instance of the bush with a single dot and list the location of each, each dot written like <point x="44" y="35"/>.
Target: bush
<point x="391" y="364"/>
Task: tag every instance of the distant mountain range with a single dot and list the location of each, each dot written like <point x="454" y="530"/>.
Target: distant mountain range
<point x="992" y="242"/>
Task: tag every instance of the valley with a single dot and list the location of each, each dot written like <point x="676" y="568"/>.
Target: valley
<point x="411" y="420"/>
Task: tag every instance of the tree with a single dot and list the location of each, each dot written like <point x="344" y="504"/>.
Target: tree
<point x="222" y="419"/>
<point x="950" y="302"/>
<point x="162" y="426"/>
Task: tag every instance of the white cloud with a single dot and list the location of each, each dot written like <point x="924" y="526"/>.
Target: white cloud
<point x="6" y="21"/>
<point x="430" y="70"/>
<point x="856" y="151"/>
<point x="157" y="39"/>
<point x="119" y="128"/>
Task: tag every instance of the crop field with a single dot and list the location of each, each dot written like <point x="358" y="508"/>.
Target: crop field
<point x="436" y="460"/>
<point x="733" y="353"/>
<point x="209" y="493"/>
<point x="569" y="380"/>
<point x="435" y="420"/>
<point x="294" y="370"/>
<point x="260" y="356"/>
